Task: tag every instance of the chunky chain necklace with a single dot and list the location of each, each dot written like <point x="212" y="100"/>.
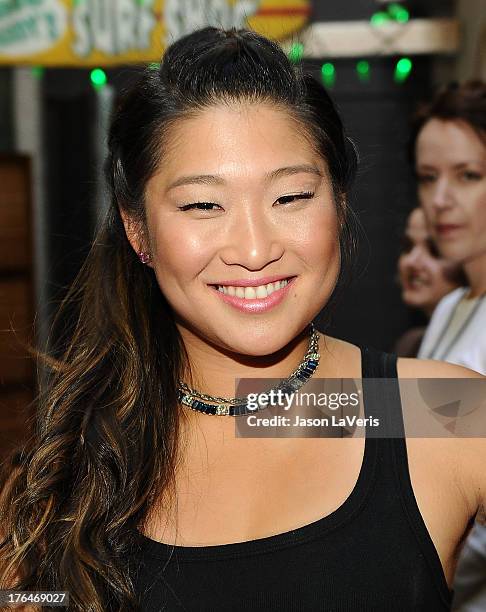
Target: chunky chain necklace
<point x="237" y="406"/>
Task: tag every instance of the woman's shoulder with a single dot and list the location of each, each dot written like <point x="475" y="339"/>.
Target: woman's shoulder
<point x="461" y="455"/>
<point x="347" y="356"/>
<point x="408" y="367"/>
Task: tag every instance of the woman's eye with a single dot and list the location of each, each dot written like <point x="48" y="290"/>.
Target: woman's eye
<point x="468" y="175"/>
<point x="299" y="196"/>
<point x="425" y="178"/>
<point x="198" y="206"/>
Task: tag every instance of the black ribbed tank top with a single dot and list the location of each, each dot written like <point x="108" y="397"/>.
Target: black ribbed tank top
<point x="372" y="554"/>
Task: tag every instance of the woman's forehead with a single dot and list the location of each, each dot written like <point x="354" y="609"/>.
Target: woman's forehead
<point x="451" y="141"/>
<point x="237" y="139"/>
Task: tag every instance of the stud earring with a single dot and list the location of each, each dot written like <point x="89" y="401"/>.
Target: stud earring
<point x="144" y="257"/>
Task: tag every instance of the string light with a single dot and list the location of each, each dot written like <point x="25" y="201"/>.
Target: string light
<point x="398" y="12"/>
<point x="328" y="73"/>
<point x="296" y="52"/>
<point x="403" y="69"/>
<point x="98" y="78"/>
<point x="363" y="70"/>
<point x="37" y="71"/>
<point x="379" y="18"/>
<point x="394" y="12"/>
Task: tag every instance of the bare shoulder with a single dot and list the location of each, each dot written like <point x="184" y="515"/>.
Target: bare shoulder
<point x="430" y="368"/>
<point x="463" y="456"/>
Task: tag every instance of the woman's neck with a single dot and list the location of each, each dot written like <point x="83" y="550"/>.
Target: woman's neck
<point x="215" y="371"/>
<point x="475" y="270"/>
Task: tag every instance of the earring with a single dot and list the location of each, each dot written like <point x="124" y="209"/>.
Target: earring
<point x="144" y="257"/>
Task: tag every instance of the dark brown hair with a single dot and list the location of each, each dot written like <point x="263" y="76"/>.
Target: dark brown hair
<point x="464" y="102"/>
<point x="107" y="419"/>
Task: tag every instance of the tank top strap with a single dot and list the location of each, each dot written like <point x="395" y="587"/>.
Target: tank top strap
<point x="382" y="393"/>
<point x="382" y="400"/>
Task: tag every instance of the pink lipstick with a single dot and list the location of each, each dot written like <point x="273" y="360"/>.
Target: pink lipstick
<point x="256" y="305"/>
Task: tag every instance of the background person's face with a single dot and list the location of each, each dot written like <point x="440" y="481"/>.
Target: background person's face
<point x="254" y="220"/>
<point x="451" y="169"/>
<point x="423" y="273"/>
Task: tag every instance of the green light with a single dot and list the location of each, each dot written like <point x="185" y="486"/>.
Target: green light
<point x="398" y="13"/>
<point x="37" y="71"/>
<point x="363" y="70"/>
<point x="296" y="52"/>
<point x="379" y="18"/>
<point x="328" y="73"/>
<point x="403" y="69"/>
<point x="98" y="78"/>
<point x="154" y="66"/>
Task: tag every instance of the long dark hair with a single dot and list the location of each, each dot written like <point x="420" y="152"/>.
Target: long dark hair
<point x="107" y="421"/>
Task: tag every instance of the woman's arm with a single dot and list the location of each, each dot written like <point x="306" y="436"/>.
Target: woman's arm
<point x="467" y="454"/>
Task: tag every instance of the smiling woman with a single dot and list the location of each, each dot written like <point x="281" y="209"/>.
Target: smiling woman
<point x="228" y="232"/>
<point x="259" y="214"/>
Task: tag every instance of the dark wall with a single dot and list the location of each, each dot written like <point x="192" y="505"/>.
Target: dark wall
<point x="6" y="119"/>
<point x="69" y="111"/>
<point x="376" y="115"/>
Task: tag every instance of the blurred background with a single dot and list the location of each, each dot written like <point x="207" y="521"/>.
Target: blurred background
<point x="64" y="62"/>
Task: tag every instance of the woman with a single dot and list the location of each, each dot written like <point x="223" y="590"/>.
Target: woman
<point x="450" y="158"/>
<point x="229" y="170"/>
<point x="450" y="145"/>
<point x="425" y="277"/>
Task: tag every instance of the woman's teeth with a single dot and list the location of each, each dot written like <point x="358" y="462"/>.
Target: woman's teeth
<point x="252" y="293"/>
<point x="418" y="281"/>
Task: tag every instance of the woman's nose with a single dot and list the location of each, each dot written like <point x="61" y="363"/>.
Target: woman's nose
<point x="442" y="195"/>
<point x="414" y="257"/>
<point x="252" y="241"/>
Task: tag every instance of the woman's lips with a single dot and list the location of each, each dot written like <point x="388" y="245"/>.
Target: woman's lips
<point x="447" y="229"/>
<point x="257" y="305"/>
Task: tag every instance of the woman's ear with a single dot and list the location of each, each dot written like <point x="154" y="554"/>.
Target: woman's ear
<point x="136" y="237"/>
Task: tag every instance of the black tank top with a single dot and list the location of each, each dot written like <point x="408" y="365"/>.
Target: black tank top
<point x="372" y="554"/>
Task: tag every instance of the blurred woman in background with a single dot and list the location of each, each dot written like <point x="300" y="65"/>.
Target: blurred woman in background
<point x="425" y="278"/>
<point x="450" y="158"/>
<point x="450" y="154"/>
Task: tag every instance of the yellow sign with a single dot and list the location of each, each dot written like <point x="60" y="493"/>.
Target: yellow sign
<point x="111" y="32"/>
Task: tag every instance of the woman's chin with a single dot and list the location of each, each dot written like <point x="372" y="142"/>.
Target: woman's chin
<point x="415" y="299"/>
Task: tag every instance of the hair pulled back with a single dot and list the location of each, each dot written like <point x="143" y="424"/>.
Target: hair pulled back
<point x="107" y="423"/>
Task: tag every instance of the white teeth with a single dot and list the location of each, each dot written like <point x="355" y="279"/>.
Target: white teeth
<point x="251" y="293"/>
<point x="418" y="280"/>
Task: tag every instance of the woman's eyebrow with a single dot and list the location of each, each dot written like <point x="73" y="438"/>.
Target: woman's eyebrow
<point x="214" y="179"/>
